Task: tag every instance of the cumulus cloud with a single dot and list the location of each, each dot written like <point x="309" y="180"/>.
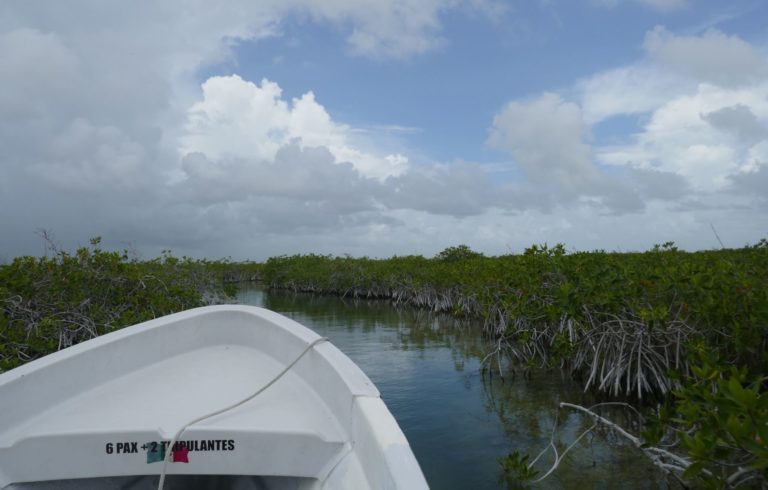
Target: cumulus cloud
<point x="656" y="184"/>
<point x="638" y="88"/>
<point x="546" y="137"/>
<point x="105" y="131"/>
<point x="738" y="120"/>
<point x="247" y="150"/>
<point x="549" y="141"/>
<point x="312" y="177"/>
<point x="459" y="189"/>
<point x="130" y="153"/>
<point x="238" y="118"/>
<point x="712" y="57"/>
<point x="674" y="65"/>
<point x="704" y="137"/>
<point x="302" y="174"/>
<point x="753" y="181"/>
<point x="703" y="106"/>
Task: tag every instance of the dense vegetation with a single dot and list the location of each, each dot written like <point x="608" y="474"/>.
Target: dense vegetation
<point x="686" y="330"/>
<point x="587" y="311"/>
<point x="49" y="303"/>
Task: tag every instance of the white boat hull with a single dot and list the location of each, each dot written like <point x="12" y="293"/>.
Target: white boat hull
<point x="109" y="407"/>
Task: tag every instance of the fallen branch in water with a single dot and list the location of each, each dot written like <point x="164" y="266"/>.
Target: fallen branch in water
<point x="672" y="464"/>
<point x="666" y="460"/>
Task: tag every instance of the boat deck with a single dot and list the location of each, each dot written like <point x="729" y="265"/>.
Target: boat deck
<point x="110" y="407"/>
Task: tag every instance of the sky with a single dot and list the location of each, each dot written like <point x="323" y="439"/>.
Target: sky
<point x="250" y="129"/>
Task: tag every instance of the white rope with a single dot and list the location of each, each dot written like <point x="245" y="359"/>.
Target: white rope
<point x="169" y="448"/>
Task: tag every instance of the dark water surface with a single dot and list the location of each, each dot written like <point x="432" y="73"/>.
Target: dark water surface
<point x="458" y="421"/>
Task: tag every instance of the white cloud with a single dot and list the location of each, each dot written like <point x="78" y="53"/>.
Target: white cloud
<point x="703" y="102"/>
<point x="549" y="141"/>
<point x="633" y="89"/>
<point x="386" y="28"/>
<point x="101" y="105"/>
<point x="546" y="137"/>
<point x="752" y="181"/>
<point x="661" y="5"/>
<point x="712" y="57"/>
<point x="459" y="189"/>
<point x="757" y="156"/>
<point x="237" y="118"/>
<point x="655" y="184"/>
<point x="700" y="133"/>
<point x="303" y="174"/>
<point x="95" y="99"/>
<point x="738" y="120"/>
<point x="674" y="66"/>
<point x="245" y="147"/>
<point x="693" y="135"/>
<point x="300" y="188"/>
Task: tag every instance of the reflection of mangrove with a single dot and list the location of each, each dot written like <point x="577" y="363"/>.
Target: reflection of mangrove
<point x="415" y="327"/>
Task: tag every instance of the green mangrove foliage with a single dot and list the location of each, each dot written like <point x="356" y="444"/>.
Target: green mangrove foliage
<point x="720" y="418"/>
<point x="49" y="303"/>
<point x="623" y="321"/>
<point x="233" y="272"/>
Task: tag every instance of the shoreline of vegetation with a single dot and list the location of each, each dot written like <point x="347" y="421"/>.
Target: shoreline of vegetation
<point x="588" y="311"/>
<point x="685" y="332"/>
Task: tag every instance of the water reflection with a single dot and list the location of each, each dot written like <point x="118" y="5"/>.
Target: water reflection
<point x="459" y="420"/>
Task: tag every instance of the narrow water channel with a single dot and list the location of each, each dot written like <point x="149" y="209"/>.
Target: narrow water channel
<point x="458" y="421"/>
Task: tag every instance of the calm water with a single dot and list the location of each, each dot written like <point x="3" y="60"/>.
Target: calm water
<point x="458" y="421"/>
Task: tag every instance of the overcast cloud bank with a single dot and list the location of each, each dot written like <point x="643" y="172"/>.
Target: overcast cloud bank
<point x="108" y="132"/>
